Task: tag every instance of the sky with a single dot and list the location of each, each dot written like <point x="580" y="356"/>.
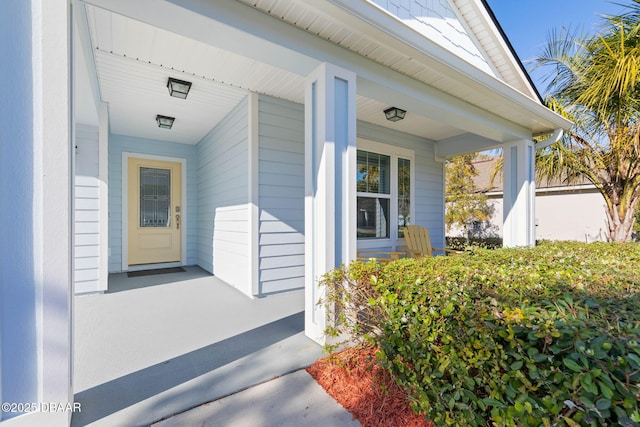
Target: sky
<point x="527" y="23"/>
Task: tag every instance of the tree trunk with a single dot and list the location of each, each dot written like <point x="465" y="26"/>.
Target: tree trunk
<point x="620" y="228"/>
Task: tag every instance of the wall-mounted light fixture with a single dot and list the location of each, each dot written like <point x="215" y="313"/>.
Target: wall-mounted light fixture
<point x="164" y="122"/>
<point x="178" y="88"/>
<point x="394" y="114"/>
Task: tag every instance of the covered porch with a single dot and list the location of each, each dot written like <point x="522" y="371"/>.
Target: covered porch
<point x="287" y="102"/>
<point x="157" y="345"/>
<point x="287" y="164"/>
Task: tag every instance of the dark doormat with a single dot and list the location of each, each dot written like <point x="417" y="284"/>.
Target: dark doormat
<point x="156" y="271"/>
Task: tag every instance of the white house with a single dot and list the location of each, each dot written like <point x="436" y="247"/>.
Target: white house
<point x="279" y="165"/>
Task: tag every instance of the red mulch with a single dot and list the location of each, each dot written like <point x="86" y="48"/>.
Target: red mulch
<point x="366" y="390"/>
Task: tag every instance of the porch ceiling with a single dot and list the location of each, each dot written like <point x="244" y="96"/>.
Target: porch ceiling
<point x="269" y="46"/>
<point x="134" y="59"/>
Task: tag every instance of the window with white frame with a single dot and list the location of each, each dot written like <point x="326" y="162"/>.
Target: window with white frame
<point x="384" y="185"/>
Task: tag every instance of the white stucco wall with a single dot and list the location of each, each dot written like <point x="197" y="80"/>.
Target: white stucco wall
<point x="571" y="216"/>
<point x="560" y="215"/>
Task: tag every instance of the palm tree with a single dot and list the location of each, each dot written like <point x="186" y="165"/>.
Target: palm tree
<point x="595" y="82"/>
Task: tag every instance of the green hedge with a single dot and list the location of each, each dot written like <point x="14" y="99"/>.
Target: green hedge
<point x="461" y="243"/>
<point x="541" y="336"/>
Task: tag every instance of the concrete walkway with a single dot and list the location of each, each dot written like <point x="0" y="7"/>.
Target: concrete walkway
<point x="159" y="345"/>
<point x="289" y="401"/>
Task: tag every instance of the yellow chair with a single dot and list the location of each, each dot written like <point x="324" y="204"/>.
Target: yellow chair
<point x="419" y="243"/>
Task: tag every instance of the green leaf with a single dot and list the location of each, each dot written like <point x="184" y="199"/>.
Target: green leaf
<point x="493" y="402"/>
<point x="571" y="364"/>
<point x="587" y="402"/>
<point x="570" y="422"/>
<point x="635" y="360"/>
<point x="517" y="365"/>
<point x="603" y="404"/>
<point x="519" y="407"/>
<point x="540" y="357"/>
<point x="588" y="385"/>
<point x="605" y="390"/>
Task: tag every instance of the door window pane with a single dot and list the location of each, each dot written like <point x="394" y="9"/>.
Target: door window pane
<point x="373" y="217"/>
<point x="155" y="197"/>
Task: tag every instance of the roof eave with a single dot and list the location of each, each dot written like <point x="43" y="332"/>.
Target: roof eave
<point x="391" y="31"/>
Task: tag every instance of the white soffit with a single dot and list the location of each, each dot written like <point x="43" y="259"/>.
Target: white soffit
<point x="414" y="123"/>
<point x="134" y="61"/>
<point x="363" y="27"/>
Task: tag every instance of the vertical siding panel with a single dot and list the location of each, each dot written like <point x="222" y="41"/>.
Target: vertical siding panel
<point x="222" y="199"/>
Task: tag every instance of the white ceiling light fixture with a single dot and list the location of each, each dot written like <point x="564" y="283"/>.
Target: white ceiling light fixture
<point x="394" y="114"/>
<point x="178" y="88"/>
<point x="165" y="122"/>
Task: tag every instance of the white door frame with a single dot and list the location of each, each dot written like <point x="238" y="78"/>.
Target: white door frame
<point x="125" y="209"/>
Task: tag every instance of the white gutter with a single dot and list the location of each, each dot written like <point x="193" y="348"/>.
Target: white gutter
<point x="555" y="137"/>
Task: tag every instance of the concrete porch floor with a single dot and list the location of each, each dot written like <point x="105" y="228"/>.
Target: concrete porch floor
<point x="157" y="345"/>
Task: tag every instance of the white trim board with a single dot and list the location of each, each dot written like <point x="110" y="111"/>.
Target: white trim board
<point x="125" y="205"/>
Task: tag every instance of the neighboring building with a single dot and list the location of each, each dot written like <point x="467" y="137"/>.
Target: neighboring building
<point x="562" y="211"/>
<point x="280" y="163"/>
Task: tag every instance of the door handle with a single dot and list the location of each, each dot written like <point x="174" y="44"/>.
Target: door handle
<point x="177" y="221"/>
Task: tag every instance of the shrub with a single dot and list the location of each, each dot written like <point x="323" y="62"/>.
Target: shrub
<point x="509" y="337"/>
<point x="461" y="243"/>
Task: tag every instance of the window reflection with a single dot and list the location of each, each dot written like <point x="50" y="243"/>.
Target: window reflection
<point x="373" y="217"/>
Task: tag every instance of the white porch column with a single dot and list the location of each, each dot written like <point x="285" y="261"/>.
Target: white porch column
<point x="330" y="188"/>
<point x="36" y="219"/>
<point x="519" y="194"/>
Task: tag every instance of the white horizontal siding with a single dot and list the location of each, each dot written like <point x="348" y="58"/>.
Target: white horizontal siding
<point x="281" y="195"/>
<point x="273" y="250"/>
<point x="267" y="239"/>
<point x="86" y="239"/>
<point x="84" y="216"/>
<point x="87" y="211"/>
<point x="223" y="242"/>
<point x="87" y="263"/>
